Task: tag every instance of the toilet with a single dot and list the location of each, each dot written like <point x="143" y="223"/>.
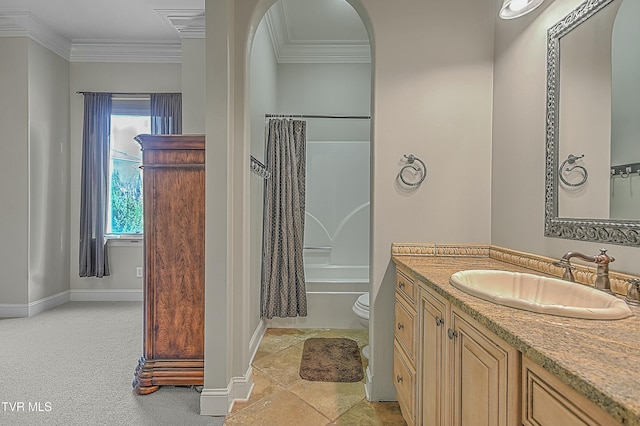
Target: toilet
<point x="361" y="309"/>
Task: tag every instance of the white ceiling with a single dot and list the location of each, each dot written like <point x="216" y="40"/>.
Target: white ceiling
<point x="151" y="30"/>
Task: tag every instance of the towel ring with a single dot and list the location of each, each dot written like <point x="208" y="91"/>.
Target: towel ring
<point x="571" y="159"/>
<point x="411" y="159"/>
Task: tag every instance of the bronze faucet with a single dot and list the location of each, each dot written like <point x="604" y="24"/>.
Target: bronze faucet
<point x="602" y="261"/>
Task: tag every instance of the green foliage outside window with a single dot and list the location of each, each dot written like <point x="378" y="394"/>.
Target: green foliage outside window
<point x="126" y="204"/>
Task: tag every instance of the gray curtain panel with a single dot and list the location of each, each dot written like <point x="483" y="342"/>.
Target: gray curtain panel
<point x="94" y="184"/>
<point x="283" y="283"/>
<point x="166" y="113"/>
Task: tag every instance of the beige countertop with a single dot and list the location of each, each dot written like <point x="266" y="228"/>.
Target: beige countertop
<point x="598" y="358"/>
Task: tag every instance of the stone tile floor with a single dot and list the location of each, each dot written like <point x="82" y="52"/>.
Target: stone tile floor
<point x="281" y="398"/>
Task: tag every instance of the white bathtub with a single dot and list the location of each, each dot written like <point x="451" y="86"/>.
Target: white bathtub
<point x="331" y="292"/>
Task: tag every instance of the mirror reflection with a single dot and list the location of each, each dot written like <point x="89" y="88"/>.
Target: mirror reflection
<point x="599" y="116"/>
<point x="625" y="113"/>
<point x="592" y="122"/>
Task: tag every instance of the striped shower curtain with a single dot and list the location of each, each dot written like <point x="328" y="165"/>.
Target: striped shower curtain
<point x="283" y="284"/>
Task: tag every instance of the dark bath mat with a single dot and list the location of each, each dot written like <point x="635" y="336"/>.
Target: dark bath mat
<point x="331" y="360"/>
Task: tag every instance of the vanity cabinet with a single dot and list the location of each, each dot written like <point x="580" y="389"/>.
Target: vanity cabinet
<point x="463" y="374"/>
<point x="468" y="375"/>
<point x="404" y="347"/>
<point x="433" y="361"/>
<point x="548" y="401"/>
<point x="485" y="375"/>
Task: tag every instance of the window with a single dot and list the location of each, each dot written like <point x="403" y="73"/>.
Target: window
<point x="130" y="117"/>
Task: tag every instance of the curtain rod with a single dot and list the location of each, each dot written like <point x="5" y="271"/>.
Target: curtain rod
<point x="357" y="117"/>
<point x="123" y="93"/>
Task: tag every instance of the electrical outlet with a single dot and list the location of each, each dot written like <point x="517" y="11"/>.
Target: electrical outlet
<point x="139" y="272"/>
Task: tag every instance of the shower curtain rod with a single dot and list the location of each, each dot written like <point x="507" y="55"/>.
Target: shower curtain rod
<point x="356" y="117"/>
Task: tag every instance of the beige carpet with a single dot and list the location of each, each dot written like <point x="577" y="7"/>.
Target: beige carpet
<point x="73" y="365"/>
<point x="331" y="360"/>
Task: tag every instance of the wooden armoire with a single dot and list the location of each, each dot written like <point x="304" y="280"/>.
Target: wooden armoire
<point x="173" y="190"/>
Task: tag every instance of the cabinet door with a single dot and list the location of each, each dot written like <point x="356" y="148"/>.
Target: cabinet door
<point x="485" y="375"/>
<point x="548" y="401"/>
<point x="405" y="382"/>
<point x="433" y="311"/>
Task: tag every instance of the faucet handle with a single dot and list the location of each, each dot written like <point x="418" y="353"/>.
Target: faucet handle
<point x="568" y="269"/>
<point x="633" y="294"/>
<point x="603" y="258"/>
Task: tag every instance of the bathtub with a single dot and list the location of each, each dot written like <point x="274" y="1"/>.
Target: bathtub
<point x="331" y="292"/>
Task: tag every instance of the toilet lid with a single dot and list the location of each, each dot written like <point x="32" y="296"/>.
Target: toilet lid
<point x="363" y="300"/>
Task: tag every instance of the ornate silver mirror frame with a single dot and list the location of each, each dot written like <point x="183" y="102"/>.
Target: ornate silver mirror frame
<point x="622" y="232"/>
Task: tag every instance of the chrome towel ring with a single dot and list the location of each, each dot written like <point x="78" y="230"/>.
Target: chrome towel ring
<point x="411" y="159"/>
<point x="571" y="159"/>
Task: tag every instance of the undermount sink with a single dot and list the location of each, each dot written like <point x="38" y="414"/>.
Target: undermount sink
<point x="540" y="294"/>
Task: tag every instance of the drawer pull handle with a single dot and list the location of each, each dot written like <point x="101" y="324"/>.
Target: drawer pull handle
<point x="400" y="326"/>
<point x="399" y="379"/>
<point x="452" y="334"/>
<point x="400" y="284"/>
<point x="439" y="321"/>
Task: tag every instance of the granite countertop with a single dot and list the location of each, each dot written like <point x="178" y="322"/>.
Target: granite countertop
<point x="598" y="358"/>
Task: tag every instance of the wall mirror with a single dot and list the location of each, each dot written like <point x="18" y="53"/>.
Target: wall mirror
<point x="593" y="124"/>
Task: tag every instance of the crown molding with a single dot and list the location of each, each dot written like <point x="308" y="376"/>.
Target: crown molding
<point x="287" y="50"/>
<point x="122" y="51"/>
<point x="190" y="23"/>
<point x="24" y="23"/>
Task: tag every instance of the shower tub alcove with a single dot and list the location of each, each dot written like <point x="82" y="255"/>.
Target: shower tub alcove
<point x="336" y="239"/>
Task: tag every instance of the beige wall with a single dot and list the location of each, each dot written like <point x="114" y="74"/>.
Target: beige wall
<point x="193" y="81"/>
<point x="518" y="187"/>
<point x="14" y="181"/>
<point x="108" y="77"/>
<point x="48" y="173"/>
<point x="263" y="85"/>
<point x="35" y="178"/>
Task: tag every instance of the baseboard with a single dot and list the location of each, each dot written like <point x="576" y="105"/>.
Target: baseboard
<point x="48" y="302"/>
<point x="19" y="310"/>
<point x="219" y="402"/>
<point x="106" y="295"/>
<point x="254" y="343"/>
<point x="367" y="384"/>
<point x="14" y="310"/>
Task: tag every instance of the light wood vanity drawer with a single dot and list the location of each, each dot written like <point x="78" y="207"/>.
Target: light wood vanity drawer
<point x="405" y="328"/>
<point x="406" y="286"/>
<point x="404" y="378"/>
<point x="549" y="401"/>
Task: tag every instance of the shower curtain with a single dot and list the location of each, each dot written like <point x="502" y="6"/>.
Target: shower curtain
<point x="283" y="284"/>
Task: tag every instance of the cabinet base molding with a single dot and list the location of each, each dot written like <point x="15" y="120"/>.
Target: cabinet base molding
<point x="151" y="374"/>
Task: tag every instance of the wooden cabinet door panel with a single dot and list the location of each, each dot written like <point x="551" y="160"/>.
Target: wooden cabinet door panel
<point x="433" y="371"/>
<point x="485" y="372"/>
<point x="547" y="401"/>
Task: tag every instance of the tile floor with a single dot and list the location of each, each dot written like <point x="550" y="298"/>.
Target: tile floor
<point x="281" y="398"/>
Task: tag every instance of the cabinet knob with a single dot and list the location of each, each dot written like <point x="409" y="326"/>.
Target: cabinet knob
<point x="439" y="321"/>
<point x="400" y="326"/>
<point x="399" y="379"/>
<point x="452" y="334"/>
<point x="400" y="284"/>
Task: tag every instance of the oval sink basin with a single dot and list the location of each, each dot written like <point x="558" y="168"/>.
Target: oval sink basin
<point x="540" y="294"/>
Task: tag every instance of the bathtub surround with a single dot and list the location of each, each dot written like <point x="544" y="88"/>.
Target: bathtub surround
<point x="283" y="284"/>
